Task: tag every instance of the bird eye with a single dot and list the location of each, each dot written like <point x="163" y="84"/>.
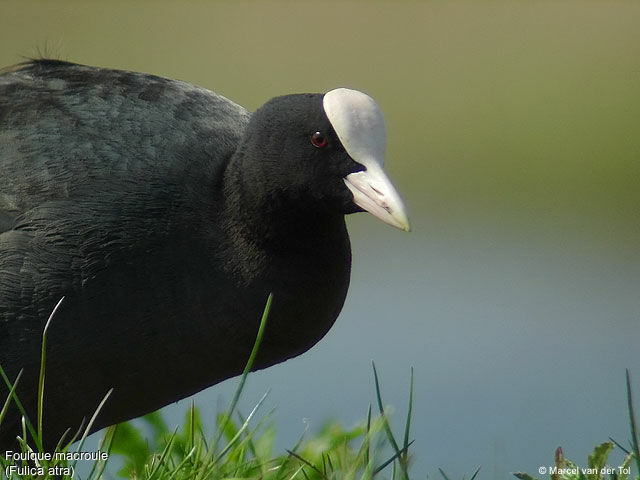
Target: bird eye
<point x="319" y="140"/>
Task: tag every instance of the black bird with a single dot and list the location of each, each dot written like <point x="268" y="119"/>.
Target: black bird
<point x="165" y="214"/>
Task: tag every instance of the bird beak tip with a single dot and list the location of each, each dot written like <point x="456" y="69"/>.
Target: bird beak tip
<point x="382" y="202"/>
<point x="401" y="222"/>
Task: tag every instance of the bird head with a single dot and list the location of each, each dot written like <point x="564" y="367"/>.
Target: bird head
<point x="327" y="150"/>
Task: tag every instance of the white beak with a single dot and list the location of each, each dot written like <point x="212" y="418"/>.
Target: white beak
<point x="373" y="191"/>
<point x="359" y="124"/>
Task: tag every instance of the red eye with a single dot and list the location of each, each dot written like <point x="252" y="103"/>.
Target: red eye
<point x="319" y="140"/>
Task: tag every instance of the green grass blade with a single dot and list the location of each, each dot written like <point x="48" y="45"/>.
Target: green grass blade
<point x="295" y="448"/>
<point x="250" y="444"/>
<point x="192" y="426"/>
<point x="331" y="467"/>
<point x="90" y="424"/>
<point x="243" y="378"/>
<point x="61" y="441"/>
<point x="163" y="456"/>
<point x="105" y="446"/>
<point x="364" y="450"/>
<point x="626" y="452"/>
<point x="387" y="427"/>
<point x="75" y="435"/>
<point x="523" y="476"/>
<point x="240" y="430"/>
<point x="249" y="436"/>
<point x="367" y="437"/>
<point x="25" y="418"/>
<point x="396" y="455"/>
<point x="23" y="442"/>
<point x="43" y="357"/>
<point x="632" y="422"/>
<point x="408" y="424"/>
<point x="308" y="463"/>
<point x="444" y="475"/>
<point x="475" y="474"/>
<point x="186" y="458"/>
<point x="7" y="402"/>
<point x="598" y="458"/>
<point x="296" y="472"/>
<point x="304" y="473"/>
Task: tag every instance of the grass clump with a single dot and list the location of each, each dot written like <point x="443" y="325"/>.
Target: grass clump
<point x="597" y="468"/>
<point x="247" y="452"/>
<point x="237" y="450"/>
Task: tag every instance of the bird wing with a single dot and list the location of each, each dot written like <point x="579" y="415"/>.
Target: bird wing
<point x="65" y="128"/>
<point x="92" y="158"/>
<point x="98" y="168"/>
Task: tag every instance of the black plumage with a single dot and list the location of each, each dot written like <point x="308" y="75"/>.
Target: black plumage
<point x="165" y="214"/>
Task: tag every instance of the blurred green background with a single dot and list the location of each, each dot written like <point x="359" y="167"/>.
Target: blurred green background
<point x="514" y="137"/>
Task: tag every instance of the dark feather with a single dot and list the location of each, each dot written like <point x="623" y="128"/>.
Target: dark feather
<point x="144" y="202"/>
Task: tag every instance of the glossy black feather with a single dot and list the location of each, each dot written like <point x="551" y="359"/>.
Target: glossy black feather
<point x="165" y="214"/>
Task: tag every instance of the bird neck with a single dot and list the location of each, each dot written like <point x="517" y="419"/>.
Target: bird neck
<point x="267" y="216"/>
